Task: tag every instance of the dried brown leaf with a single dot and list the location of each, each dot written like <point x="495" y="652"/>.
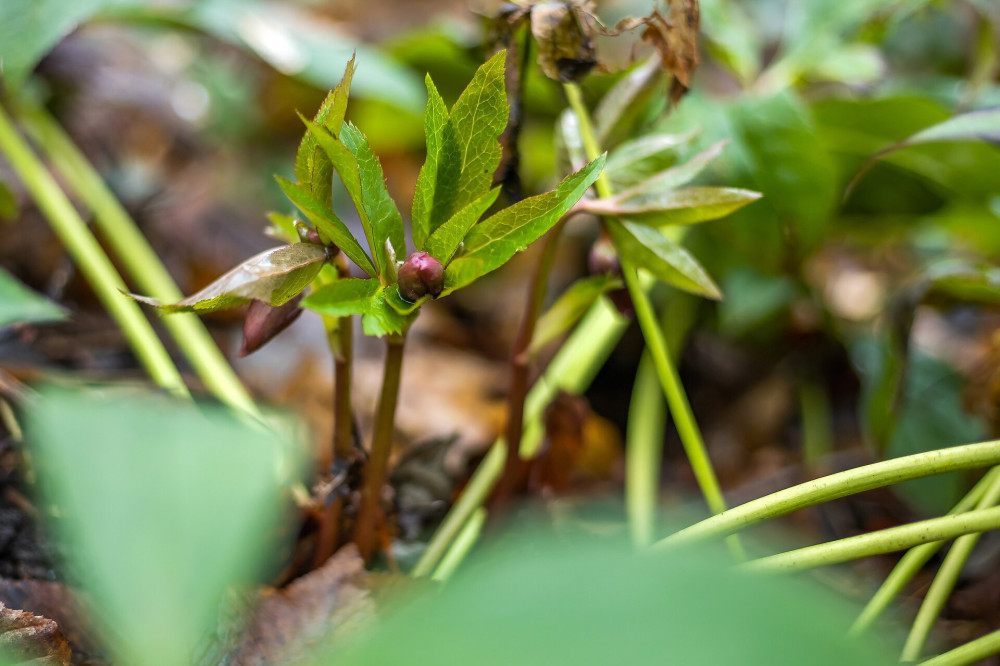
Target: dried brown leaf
<point x="676" y="40"/>
<point x="564" y="33"/>
<point x="26" y="637"/>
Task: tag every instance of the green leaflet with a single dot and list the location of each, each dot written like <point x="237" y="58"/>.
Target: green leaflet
<point x="676" y="176"/>
<point x="386" y="222"/>
<point x="364" y="297"/>
<point x="274" y="276"/>
<point x="638" y="159"/>
<point x="20" y="304"/>
<point x="445" y="240"/>
<point x="492" y="242"/>
<point x="649" y="249"/>
<point x="570" y="307"/>
<point x="312" y="165"/>
<point x="687" y="206"/>
<point x="282" y="227"/>
<point x="330" y="227"/>
<point x="440" y="141"/>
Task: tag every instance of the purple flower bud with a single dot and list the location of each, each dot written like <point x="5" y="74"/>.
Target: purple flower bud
<point x="263" y="322"/>
<point x="603" y="258"/>
<point x="308" y="234"/>
<point x="420" y="274"/>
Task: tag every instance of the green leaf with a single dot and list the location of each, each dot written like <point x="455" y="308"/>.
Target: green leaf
<point x="649" y="249"/>
<point x="445" y="240"/>
<point x="627" y="100"/>
<point x="636" y="160"/>
<point x="965" y="282"/>
<point x="313" y="168"/>
<point x="359" y="297"/>
<point x="164" y="506"/>
<point x="282" y="227"/>
<point x="386" y="221"/>
<point x="274" y="277"/>
<point x="674" y="177"/>
<point x="331" y="228"/>
<point x="687" y="206"/>
<point x="492" y="242"/>
<point x="18" y="304"/>
<point x="732" y="37"/>
<point x="441" y="165"/>
<point x="8" y="202"/>
<point x="570" y="307"/>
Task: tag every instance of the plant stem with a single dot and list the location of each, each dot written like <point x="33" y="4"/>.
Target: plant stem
<point x="971" y="653"/>
<point x="944" y="581"/>
<point x="461" y="547"/>
<point x="365" y="530"/>
<point x="572" y="370"/>
<point x="835" y="486"/>
<point x="913" y="561"/>
<point x="673" y="389"/>
<point x="519" y="359"/>
<point x="93" y="263"/>
<point x="137" y="258"/>
<point x="882" y="541"/>
<point x="644" y="452"/>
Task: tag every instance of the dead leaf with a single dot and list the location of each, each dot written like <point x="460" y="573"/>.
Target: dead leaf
<point x="25" y="637"/>
<point x="563" y="32"/>
<point x="676" y="40"/>
<point x="58" y="603"/>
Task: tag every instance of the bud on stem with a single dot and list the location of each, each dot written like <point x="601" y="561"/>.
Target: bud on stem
<point x="420" y="275"/>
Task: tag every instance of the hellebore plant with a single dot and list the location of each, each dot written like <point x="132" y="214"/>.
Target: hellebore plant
<point x="453" y="247"/>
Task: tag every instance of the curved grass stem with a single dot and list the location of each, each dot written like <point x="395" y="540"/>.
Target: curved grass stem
<point x="971" y="653"/>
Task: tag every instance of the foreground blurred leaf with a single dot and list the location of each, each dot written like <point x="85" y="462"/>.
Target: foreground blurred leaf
<point x="649" y="249"/>
<point x="570" y="307"/>
<point x="274" y="277"/>
<point x="523" y="603"/>
<point x="164" y="505"/>
<point x="492" y="242"/>
<point x="19" y="304"/>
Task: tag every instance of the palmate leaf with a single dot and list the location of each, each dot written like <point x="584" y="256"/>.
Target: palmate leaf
<point x="687" y="206"/>
<point x="19" y="304"/>
<point x="274" y="277"/>
<point x="312" y="166"/>
<point x="649" y="249"/>
<point x="492" y="242"/>
<point x="365" y="297"/>
<point x="570" y="307"/>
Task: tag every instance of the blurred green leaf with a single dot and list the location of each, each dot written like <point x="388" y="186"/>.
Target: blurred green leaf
<point x="164" y="506"/>
<point x="965" y="282"/>
<point x="619" y="110"/>
<point x="638" y="159"/>
<point x="386" y="221"/>
<point x="443" y="165"/>
<point x="751" y="299"/>
<point x="650" y="250"/>
<point x="674" y="177"/>
<point x="492" y="242"/>
<point x="539" y="600"/>
<point x="8" y="203"/>
<point x="690" y="205"/>
<point x="18" y="304"/>
<point x="446" y="239"/>
<point x="732" y="37"/>
<point x="854" y="64"/>
<point x="330" y="227"/>
<point x="570" y="307"/>
<point x="274" y="277"/>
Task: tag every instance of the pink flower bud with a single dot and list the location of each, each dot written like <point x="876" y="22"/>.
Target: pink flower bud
<point x="420" y="274"/>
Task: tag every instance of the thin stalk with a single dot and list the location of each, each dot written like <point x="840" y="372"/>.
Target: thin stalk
<point x="573" y="368"/>
<point x="93" y="263"/>
<point x="913" y="561"/>
<point x="461" y="548"/>
<point x="519" y="361"/>
<point x="138" y="259"/>
<point x="835" y="486"/>
<point x="877" y="543"/>
<point x="971" y="653"/>
<point x="673" y="389"/>
<point x="944" y="581"/>
<point x="365" y="529"/>
<point x="644" y="452"/>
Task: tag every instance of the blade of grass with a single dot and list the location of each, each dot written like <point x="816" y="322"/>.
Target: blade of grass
<point x="91" y="259"/>
<point x="461" y="547"/>
<point x="971" y="653"/>
<point x="644" y="452"/>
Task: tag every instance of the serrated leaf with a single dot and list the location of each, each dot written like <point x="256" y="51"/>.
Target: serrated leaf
<point x="274" y="277"/>
<point x="441" y="165"/>
<point x="18" y="304"/>
<point x="386" y="221"/>
<point x="479" y="118"/>
<point x="354" y="296"/>
<point x="633" y="161"/>
<point x="382" y="319"/>
<point x="492" y="242"/>
<point x="687" y="206"/>
<point x="8" y="202"/>
<point x="312" y="166"/>
<point x="570" y="307"/>
<point x="445" y="240"/>
<point x="400" y="304"/>
<point x="649" y="249"/>
<point x="331" y="228"/>
<point x="676" y="176"/>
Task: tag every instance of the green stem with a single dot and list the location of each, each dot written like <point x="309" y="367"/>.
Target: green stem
<point x="573" y="368"/>
<point x="93" y="263"/>
<point x="673" y="389"/>
<point x="137" y="258"/>
<point x="365" y="530"/>
<point x="971" y="653"/>
<point x="835" y="486"/>
<point x="877" y="543"/>
<point x="944" y="581"/>
<point x="644" y="452"/>
<point x="913" y="561"/>
<point x="461" y="548"/>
